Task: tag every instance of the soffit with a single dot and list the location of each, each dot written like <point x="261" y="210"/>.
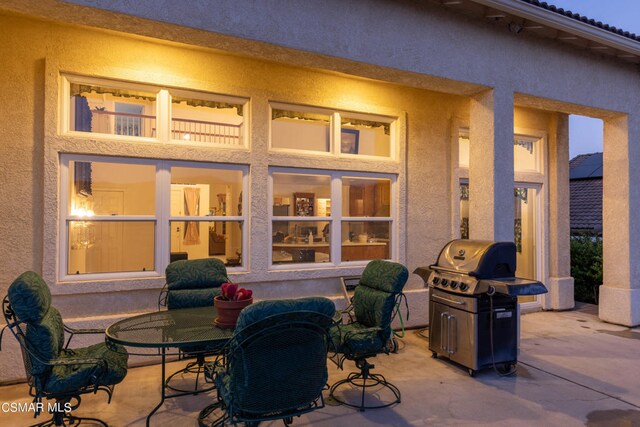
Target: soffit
<point x="100" y="19"/>
<point x="531" y="17"/>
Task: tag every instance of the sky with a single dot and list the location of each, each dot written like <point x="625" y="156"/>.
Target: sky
<point x="585" y="134"/>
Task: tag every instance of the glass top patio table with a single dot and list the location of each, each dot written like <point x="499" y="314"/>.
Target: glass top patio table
<point x="180" y="328"/>
<point x="191" y="329"/>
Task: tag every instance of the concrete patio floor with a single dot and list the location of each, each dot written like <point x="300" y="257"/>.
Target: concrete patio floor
<point x="574" y="370"/>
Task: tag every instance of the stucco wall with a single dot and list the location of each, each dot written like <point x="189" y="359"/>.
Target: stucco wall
<point x="36" y="52"/>
<point x="416" y="36"/>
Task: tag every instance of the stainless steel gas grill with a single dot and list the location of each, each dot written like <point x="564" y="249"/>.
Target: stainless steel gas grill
<point x="473" y="306"/>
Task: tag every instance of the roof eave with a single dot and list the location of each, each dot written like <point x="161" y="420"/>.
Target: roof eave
<point x="564" y="23"/>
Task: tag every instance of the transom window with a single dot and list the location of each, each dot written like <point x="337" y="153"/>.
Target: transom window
<point x="527" y="154"/>
<point x="330" y="217"/>
<point x="131" y="217"/>
<point x="132" y="111"/>
<point x="314" y="130"/>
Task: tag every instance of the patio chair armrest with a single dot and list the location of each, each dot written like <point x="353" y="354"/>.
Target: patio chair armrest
<point x="85" y="331"/>
<point x="162" y="298"/>
<point x="339" y="315"/>
<point x="68" y="361"/>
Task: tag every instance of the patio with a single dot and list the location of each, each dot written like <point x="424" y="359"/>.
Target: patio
<point x="574" y="370"/>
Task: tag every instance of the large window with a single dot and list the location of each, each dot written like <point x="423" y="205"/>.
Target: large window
<point x="130" y="217"/>
<point x="131" y="111"/>
<point x="330" y="217"/>
<point x="317" y="131"/>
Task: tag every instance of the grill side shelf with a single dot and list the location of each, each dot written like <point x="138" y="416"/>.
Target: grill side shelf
<point x="514" y="287"/>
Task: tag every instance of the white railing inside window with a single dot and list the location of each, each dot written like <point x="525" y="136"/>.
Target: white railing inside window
<point x="203" y="131"/>
<point x="129" y="124"/>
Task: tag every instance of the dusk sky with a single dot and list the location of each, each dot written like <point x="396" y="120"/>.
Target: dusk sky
<point x="585" y="134"/>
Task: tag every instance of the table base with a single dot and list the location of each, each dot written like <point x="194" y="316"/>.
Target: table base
<point x="165" y="386"/>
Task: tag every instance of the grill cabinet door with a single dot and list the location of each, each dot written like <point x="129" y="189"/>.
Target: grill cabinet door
<point x="462" y="337"/>
<point x="437" y="328"/>
<point x="452" y="334"/>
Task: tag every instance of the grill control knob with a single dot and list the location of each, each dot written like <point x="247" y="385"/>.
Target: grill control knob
<point x="454" y="284"/>
<point x="464" y="287"/>
<point x="436" y="280"/>
<point x="444" y="283"/>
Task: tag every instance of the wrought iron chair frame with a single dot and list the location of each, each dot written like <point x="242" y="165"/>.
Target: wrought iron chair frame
<point x="243" y="338"/>
<point x="59" y="415"/>
<point x="359" y="379"/>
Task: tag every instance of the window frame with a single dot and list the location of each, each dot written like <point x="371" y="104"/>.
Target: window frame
<point x="336" y="219"/>
<point x="335" y="130"/>
<point x="539" y="147"/>
<point x="162" y="218"/>
<point x="163" y="112"/>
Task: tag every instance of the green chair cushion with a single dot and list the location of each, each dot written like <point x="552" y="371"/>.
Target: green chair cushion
<point x="263" y="309"/>
<point x="45" y="339"/>
<point x="30" y="297"/>
<point x="355" y="339"/>
<point x="276" y="365"/>
<point x="190" y="298"/>
<point x="69" y="378"/>
<point x="372" y="307"/>
<point x="196" y="274"/>
<point x="297" y="373"/>
<point x="374" y="302"/>
<point x="385" y="276"/>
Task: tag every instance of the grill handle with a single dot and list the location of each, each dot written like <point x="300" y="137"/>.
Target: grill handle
<point x="452" y="330"/>
<point x="436" y="267"/>
<point x="448" y="301"/>
<point x="443" y="327"/>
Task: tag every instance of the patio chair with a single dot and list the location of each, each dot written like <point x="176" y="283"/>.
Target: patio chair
<point x="275" y="366"/>
<point x="375" y="303"/>
<point x="190" y="284"/>
<point x="54" y="371"/>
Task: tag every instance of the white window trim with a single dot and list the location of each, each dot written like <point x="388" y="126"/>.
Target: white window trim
<point x="335" y="126"/>
<point x="539" y="138"/>
<point x="541" y="244"/>
<point x="163" y="112"/>
<point x="336" y="219"/>
<point x="162" y="218"/>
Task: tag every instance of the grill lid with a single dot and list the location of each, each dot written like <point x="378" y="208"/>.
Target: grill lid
<point x="481" y="259"/>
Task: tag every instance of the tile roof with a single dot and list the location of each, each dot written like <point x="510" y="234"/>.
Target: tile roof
<point x="586" y="166"/>
<point x="585" y="205"/>
<point x="582" y="18"/>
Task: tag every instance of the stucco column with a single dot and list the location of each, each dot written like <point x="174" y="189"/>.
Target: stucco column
<point x="491" y="165"/>
<point x="620" y="292"/>
<point x="560" y="283"/>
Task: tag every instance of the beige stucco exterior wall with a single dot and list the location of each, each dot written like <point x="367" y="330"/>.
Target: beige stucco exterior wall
<point x="420" y="43"/>
<point x="36" y="52"/>
<point x="416" y="48"/>
<point x="415" y="36"/>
